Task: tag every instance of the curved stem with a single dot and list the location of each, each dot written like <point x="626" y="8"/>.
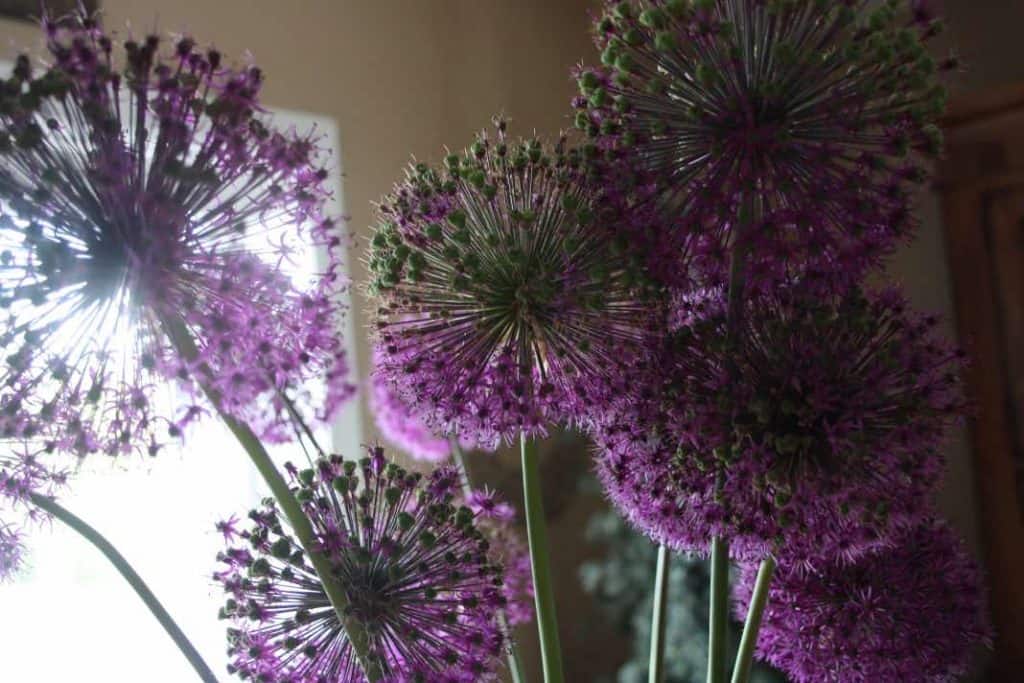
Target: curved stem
<point x="290" y="507"/>
<point x="515" y="664"/>
<point x="745" y="655"/>
<point x="536" y="530"/>
<point x="656" y="668"/>
<point x="132" y="577"/>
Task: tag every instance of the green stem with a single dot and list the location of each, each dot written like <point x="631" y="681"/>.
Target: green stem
<point x="544" y="596"/>
<point x="290" y="507"/>
<point x="656" y="668"/>
<point x="745" y="655"/>
<point x="719" y="609"/>
<point x="134" y="580"/>
<point x="460" y="464"/>
<point x="515" y="664"/>
<point x="719" y="613"/>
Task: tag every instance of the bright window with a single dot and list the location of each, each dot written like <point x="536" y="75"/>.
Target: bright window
<point x="70" y="617"/>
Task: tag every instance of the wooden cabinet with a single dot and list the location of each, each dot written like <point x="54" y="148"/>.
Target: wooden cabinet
<point x="981" y="184"/>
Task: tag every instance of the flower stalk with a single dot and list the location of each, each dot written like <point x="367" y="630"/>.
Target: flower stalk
<point x="515" y="664"/>
<point x="536" y="530"/>
<point x="303" y="529"/>
<point x="752" y="625"/>
<point x="656" y="669"/>
<point x="129" y="574"/>
<point x="719" y="610"/>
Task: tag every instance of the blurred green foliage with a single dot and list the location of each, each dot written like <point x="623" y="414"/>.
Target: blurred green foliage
<point x="623" y="583"/>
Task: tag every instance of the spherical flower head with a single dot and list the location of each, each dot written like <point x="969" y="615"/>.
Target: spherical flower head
<point x="401" y="426"/>
<point x="415" y="568"/>
<point x="11" y="551"/>
<point x="816" y="431"/>
<point x="23" y="473"/>
<point x="502" y="299"/>
<point x="794" y="126"/>
<point x="915" y="612"/>
<point x="146" y="198"/>
<point x="496" y="519"/>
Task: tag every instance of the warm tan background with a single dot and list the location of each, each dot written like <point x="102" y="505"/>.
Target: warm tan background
<point x="405" y="78"/>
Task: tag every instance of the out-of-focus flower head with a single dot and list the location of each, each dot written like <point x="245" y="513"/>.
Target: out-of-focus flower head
<point x="795" y="126"/>
<point x="915" y="612"/>
<point x="148" y="205"/>
<point x="816" y="431"/>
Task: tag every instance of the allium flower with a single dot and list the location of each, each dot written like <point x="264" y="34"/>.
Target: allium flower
<point x="496" y="519"/>
<point x="143" y="194"/>
<point x="11" y="550"/>
<point x="799" y="120"/>
<point x="840" y="405"/>
<point x="22" y="474"/>
<point x="415" y="569"/>
<point x="912" y="613"/>
<point x="502" y="299"/>
<point x="401" y="426"/>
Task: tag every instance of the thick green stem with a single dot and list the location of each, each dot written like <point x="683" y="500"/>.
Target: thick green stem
<point x="656" y="668"/>
<point x="515" y="664"/>
<point x="745" y="655"/>
<point x="134" y="580"/>
<point x="544" y="595"/>
<point x="719" y="609"/>
<point x="290" y="507"/>
<point x="719" y="613"/>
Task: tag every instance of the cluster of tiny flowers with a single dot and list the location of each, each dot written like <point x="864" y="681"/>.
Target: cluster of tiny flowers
<point x="913" y="613"/>
<point x="401" y="426"/>
<point x="496" y="519"/>
<point x="416" y="570"/>
<point x="23" y="474"/>
<point x="146" y="206"/>
<point x="503" y="299"/>
<point x="11" y="550"/>
<point x="815" y="432"/>
<point x="795" y="128"/>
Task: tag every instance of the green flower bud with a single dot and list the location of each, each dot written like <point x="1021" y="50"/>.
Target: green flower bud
<point x="664" y="41"/>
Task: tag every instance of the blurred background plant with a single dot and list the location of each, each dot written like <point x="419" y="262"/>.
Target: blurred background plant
<point x="620" y="582"/>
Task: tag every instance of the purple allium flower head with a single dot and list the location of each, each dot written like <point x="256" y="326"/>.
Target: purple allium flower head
<point x="800" y="119"/>
<point x="502" y="299"/>
<point x="23" y="473"/>
<point x="401" y="426"/>
<point x="496" y="519"/>
<point x="415" y="567"/>
<point x="11" y="550"/>
<point x="915" y="612"/>
<point x="840" y="406"/>
<point x="143" y="192"/>
<point x="518" y="579"/>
